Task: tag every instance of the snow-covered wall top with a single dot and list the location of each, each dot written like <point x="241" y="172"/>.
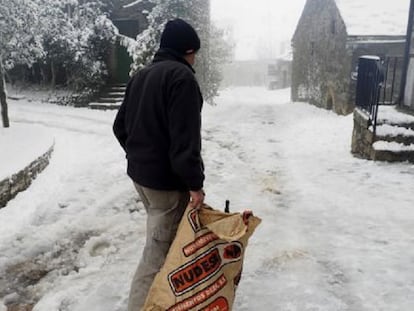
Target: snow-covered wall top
<point x="373" y="17"/>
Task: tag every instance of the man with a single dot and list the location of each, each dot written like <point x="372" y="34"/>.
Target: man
<point x="158" y="125"/>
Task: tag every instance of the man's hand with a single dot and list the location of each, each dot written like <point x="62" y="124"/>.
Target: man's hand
<point x="197" y="198"/>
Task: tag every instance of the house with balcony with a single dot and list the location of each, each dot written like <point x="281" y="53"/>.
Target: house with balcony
<point x="279" y="73"/>
<point x="128" y="16"/>
<point x="330" y="37"/>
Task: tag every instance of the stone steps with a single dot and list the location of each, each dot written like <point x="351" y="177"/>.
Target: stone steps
<point x="407" y="125"/>
<point x="404" y="140"/>
<point x="392" y="152"/>
<point x="393" y="140"/>
<point x="395" y="133"/>
<point x="118" y="88"/>
<point x="392" y="116"/>
<point x="110" y="99"/>
<point x="394" y="143"/>
<point x="104" y="106"/>
<point x="113" y="94"/>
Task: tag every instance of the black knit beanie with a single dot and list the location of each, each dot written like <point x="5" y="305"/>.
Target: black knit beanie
<point x="180" y="37"/>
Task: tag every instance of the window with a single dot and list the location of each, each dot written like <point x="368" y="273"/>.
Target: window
<point x="312" y="48"/>
<point x="333" y="26"/>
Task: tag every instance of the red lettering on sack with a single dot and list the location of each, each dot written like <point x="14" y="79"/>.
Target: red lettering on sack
<point x="195" y="272"/>
<point x="204" y="267"/>
<point x="232" y="251"/>
<point x="220" y="304"/>
<point x="201" y="296"/>
<point x="193" y="220"/>
<point x="199" y="243"/>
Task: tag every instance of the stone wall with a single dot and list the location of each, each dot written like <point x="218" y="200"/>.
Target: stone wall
<point x="20" y="181"/>
<point x="362" y="137"/>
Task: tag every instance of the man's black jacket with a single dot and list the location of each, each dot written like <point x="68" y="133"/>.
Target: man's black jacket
<point x="159" y="124"/>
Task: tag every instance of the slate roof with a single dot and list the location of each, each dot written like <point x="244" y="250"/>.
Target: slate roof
<point x="374" y="17"/>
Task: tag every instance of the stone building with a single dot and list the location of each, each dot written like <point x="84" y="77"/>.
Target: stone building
<point x="330" y="37"/>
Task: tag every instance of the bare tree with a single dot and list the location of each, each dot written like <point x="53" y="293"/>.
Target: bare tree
<point x="19" y="41"/>
<point x="3" y="98"/>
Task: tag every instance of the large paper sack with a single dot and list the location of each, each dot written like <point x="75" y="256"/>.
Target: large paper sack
<point x="204" y="264"/>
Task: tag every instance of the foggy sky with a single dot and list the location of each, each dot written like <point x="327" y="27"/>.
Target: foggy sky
<point x="259" y="26"/>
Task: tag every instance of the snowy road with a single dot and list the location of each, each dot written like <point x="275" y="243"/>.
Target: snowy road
<point x="337" y="232"/>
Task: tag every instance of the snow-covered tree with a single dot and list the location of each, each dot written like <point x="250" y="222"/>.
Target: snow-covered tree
<point x="148" y="40"/>
<point x="57" y="36"/>
<point x="93" y="32"/>
<point x="213" y="53"/>
<point x="20" y="41"/>
<point x="218" y="52"/>
<point x="76" y="37"/>
<point x="67" y="36"/>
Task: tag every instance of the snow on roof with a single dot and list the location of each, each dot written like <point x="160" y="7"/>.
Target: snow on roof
<point x="375" y="17"/>
<point x="131" y="4"/>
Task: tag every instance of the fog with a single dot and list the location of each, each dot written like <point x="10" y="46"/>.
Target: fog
<point x="262" y="29"/>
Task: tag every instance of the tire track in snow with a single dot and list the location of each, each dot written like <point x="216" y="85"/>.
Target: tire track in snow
<point x="249" y="140"/>
<point x="64" y="111"/>
<point x="291" y="257"/>
<point x="63" y="118"/>
<point x="58" y="126"/>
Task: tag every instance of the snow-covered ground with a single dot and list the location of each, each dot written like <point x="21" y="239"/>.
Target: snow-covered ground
<point x="20" y="145"/>
<point x="337" y="232"/>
